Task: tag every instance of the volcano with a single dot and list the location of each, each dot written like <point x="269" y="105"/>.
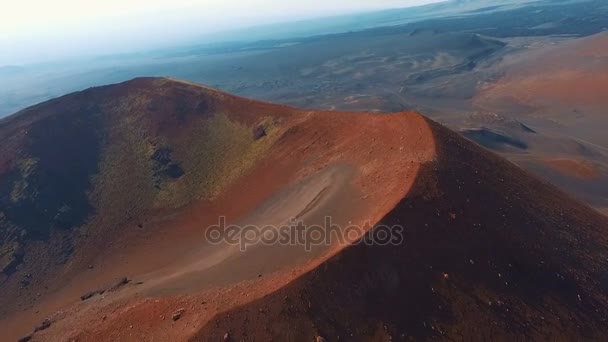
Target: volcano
<point x="109" y="196"/>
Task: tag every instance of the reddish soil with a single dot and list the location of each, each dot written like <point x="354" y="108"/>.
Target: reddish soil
<point x="574" y="73"/>
<point x="489" y="252"/>
<point x="575" y="168"/>
<point x="560" y="90"/>
<point x="385" y="160"/>
<point x="566" y="87"/>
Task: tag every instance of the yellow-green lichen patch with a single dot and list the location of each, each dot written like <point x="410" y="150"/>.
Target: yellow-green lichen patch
<point x="123" y="187"/>
<point x="26" y="168"/>
<point x="218" y="150"/>
<point x="210" y="154"/>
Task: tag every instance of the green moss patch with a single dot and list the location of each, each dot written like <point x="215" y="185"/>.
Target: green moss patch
<point x="214" y="153"/>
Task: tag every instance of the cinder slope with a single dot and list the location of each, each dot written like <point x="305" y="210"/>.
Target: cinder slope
<point x="489" y="253"/>
<point x="487" y="250"/>
<point x="88" y="179"/>
<point x="80" y="171"/>
<point x="170" y="158"/>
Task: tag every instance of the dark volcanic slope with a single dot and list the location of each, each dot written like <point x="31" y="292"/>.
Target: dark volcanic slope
<point x="75" y="170"/>
<point x="489" y="253"/>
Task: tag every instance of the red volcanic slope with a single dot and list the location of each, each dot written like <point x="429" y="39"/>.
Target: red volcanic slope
<point x="488" y="251"/>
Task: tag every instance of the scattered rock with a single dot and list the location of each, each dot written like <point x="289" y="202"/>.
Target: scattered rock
<point x="44" y="325"/>
<point x="178" y="314"/>
<point x="122" y="282"/>
<point x="10" y="257"/>
<point x="25" y="339"/>
<point x="92" y="294"/>
<point x="259" y="132"/>
<point x="116" y="286"/>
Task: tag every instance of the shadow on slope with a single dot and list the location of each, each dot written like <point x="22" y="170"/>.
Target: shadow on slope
<point x="489" y="252"/>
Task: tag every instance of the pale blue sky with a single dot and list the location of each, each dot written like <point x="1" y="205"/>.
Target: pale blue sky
<point x="38" y="30"/>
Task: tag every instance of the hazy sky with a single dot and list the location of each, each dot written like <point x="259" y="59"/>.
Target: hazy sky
<point x="38" y="30"/>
